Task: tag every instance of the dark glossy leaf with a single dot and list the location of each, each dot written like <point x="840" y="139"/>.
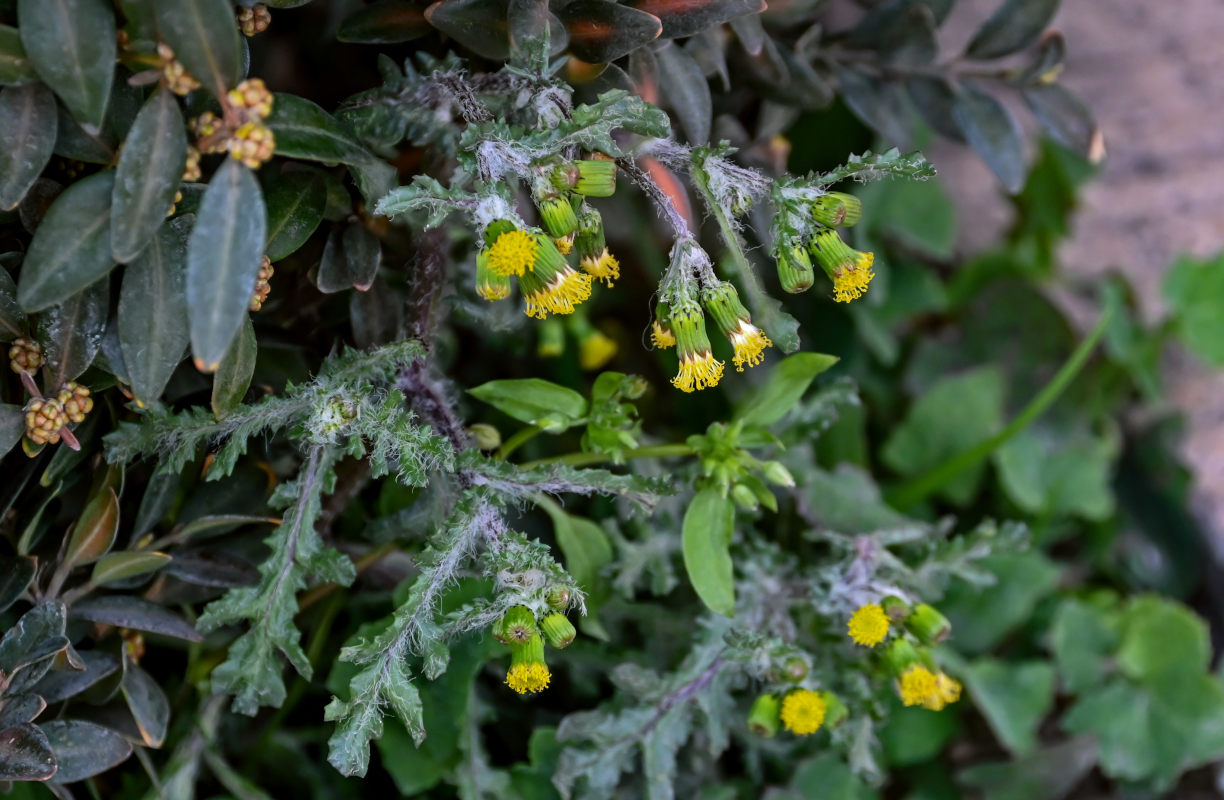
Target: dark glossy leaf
<point x="132" y="612"/>
<point x="992" y="131"/>
<point x="217" y="524"/>
<point x="1015" y="25"/>
<point x="148" y="704"/>
<point x="217" y="568"/>
<point x="682" y="18"/>
<point x="12" y="427"/>
<point x="20" y="708"/>
<point x="36" y="203"/>
<point x="60" y="684"/>
<point x="384" y="22"/>
<point x="350" y="259"/>
<point x="879" y="104"/>
<point x="27" y="115"/>
<point x="13" y="322"/>
<point x="786" y="384"/>
<point x="37" y="635"/>
<point x="15" y="66"/>
<point x="71" y="332"/>
<point x="152" y="322"/>
<point x="16" y="572"/>
<point x="686" y="90"/>
<point x="121" y="566"/>
<point x="95" y="530"/>
<point x="708" y="525"/>
<point x="1067" y="119"/>
<point x="901" y="31"/>
<point x="83" y="749"/>
<point x="1047" y="62"/>
<point x="75" y="143"/>
<point x="71" y="248"/>
<point x="72" y="45"/>
<point x="149" y="173"/>
<point x="233" y="377"/>
<point x="25" y="754"/>
<point x="223" y="256"/>
<point x="296" y="202"/>
<point x="205" y="39"/>
<point x="935" y="98"/>
<point x="602" y="31"/>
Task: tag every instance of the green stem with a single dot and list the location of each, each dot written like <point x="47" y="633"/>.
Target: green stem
<point x="739" y="260"/>
<point x="514" y="442"/>
<point x="907" y="494"/>
<point x="587" y="459"/>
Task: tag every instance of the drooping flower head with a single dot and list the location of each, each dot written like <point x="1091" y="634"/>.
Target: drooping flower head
<point x="803" y="711"/>
<point x="868" y="625"/>
<point x="837" y="209"/>
<point x="558" y="630"/>
<point x="593" y="255"/>
<point x="849" y="269"/>
<point x="528" y="674"/>
<point x="795" y="271"/>
<point x="749" y="341"/>
<point x="661" y="334"/>
<point x="698" y="367"/>
<point x="558" y="293"/>
<point x="490" y="285"/>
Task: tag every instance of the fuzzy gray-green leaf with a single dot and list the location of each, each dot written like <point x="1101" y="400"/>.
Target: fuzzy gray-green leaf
<point x="223" y="256"/>
<point x="150" y="171"/>
<point x="27" y="115"/>
<point x="153" y="311"/>
<point x="205" y="39"/>
<point x="71" y="248"/>
<point x="72" y="45"/>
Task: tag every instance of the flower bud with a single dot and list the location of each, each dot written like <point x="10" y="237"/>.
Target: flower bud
<point x="559" y="597"/>
<point x="74" y="399"/>
<point x="253" y="144"/>
<point x="837" y="209"/>
<point x="764" y="717"/>
<point x="900" y="656"/>
<point x="744" y="497"/>
<point x="263" y="287"/>
<point x="484" y="436"/>
<point x="528" y="674"/>
<point x="25" y="355"/>
<point x="896" y="608"/>
<point x="795" y="668"/>
<point x="835" y="710"/>
<point x="489" y="285"/>
<point x="776" y="473"/>
<point x="592" y="177"/>
<point x="558" y="630"/>
<point x="252" y="97"/>
<point x="558" y="215"/>
<point x="661" y="334"/>
<point x="174" y="74"/>
<point x="698" y="367"/>
<point x="254" y="20"/>
<point x="191" y="171"/>
<point x="593" y="255"/>
<point x="928" y="625"/>
<point x="517" y="626"/>
<point x="795" y="271"/>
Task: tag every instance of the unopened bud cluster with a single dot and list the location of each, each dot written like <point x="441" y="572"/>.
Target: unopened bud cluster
<point x="520" y="630"/>
<point x="730" y="468"/>
<point x="242" y="131"/>
<point x="262" y="286"/>
<point x="808" y="238"/>
<point x="46" y="416"/>
<point x="25" y="355"/>
<point x="175" y="76"/>
<point x="254" y="20"/>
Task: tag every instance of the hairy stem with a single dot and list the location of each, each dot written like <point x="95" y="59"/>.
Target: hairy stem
<point x="587" y="459"/>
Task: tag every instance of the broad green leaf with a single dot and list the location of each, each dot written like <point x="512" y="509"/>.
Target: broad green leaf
<point x="95" y="530"/>
<point x="72" y="45"/>
<point x="132" y="612"/>
<point x="205" y="39"/>
<point x="118" y="566"/>
<point x="152" y="318"/>
<point x="600" y="32"/>
<point x="384" y="22"/>
<point x="1014" y="696"/>
<point x="13" y="321"/>
<point x="296" y="202"/>
<point x="16" y="573"/>
<point x="983" y="617"/>
<point x="828" y="777"/>
<point x="149" y="173"/>
<point x="708" y="525"/>
<point x="1083" y="638"/>
<point x="847" y="501"/>
<point x="585" y="546"/>
<point x="12" y="426"/>
<point x="1047" y="474"/>
<point x="71" y="332"/>
<point x="1015" y="25"/>
<point x="534" y="401"/>
<point x="15" y="66"/>
<point x="148" y="704"/>
<point x="61" y="684"/>
<point x="912" y="735"/>
<point x="71" y="248"/>
<point x="38" y="634"/>
<point x="1067" y="119"/>
<point x="27" y="117"/>
<point x="955" y="414"/>
<point x="993" y="132"/>
<point x="83" y="749"/>
<point x="25" y="754"/>
<point x="223" y="256"/>
<point x="687" y="91"/>
<point x="1162" y="639"/>
<point x="233" y="377"/>
<point x="687" y="18"/>
<point x="1049" y="773"/>
<point x="786" y="384"/>
<point x="1195" y="290"/>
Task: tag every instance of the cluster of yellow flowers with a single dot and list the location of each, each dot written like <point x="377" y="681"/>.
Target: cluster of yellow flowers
<point x="241" y="129"/>
<point x="518" y="628"/>
<point x="849" y="269"/>
<point x="919" y="680"/>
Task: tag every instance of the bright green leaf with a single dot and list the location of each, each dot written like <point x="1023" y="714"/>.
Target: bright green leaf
<point x="708" y="525"/>
<point x="785" y="385"/>
<point x="534" y="401"/>
<point x="1014" y="696"/>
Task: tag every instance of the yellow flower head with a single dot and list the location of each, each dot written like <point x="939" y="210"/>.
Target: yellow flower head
<point x="749" y="341"/>
<point x="489" y="285"/>
<point x="661" y="334"/>
<point x="564" y="244"/>
<point x="698" y="367"/>
<point x="849" y="269"/>
<point x="918" y="685"/>
<point x="947" y="691"/>
<point x="869" y="625"/>
<point x="565" y="289"/>
<point x="596" y="350"/>
<point x="513" y="252"/>
<point x="602" y="266"/>
<point x="528" y="678"/>
<point x="803" y="712"/>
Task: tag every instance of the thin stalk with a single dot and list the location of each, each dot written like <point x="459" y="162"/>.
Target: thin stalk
<point x="519" y="438"/>
<point x="587" y="459"/>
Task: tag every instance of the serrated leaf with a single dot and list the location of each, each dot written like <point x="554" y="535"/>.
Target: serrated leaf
<point x="149" y="173"/>
<point x="786" y="384"/>
<point x="132" y="612"/>
<point x="384" y="22"/>
<point x="682" y="18"/>
<point x="1013" y="26"/>
<point x="15" y="66"/>
<point x="95" y="530"/>
<point x="84" y="749"/>
<point x="119" y="566"/>
<point x="1067" y="119"/>
<point x="1082" y="638"/>
<point x="601" y="31"/>
<point x="871" y="166"/>
<point x="1162" y="639"/>
<point x="708" y="525"/>
<point x="233" y="377"/>
<point x="71" y="332"/>
<point x="534" y="401"/>
<point x="296" y="202"/>
<point x="205" y="39"/>
<point x="152" y="321"/>
<point x="993" y="132"/>
<point x="71" y="44"/>
<point x="71" y="248"/>
<point x="148" y="704"/>
<point x="27" y="115"/>
<point x="25" y="754"/>
<point x="223" y="256"/>
<point x="687" y="91"/>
